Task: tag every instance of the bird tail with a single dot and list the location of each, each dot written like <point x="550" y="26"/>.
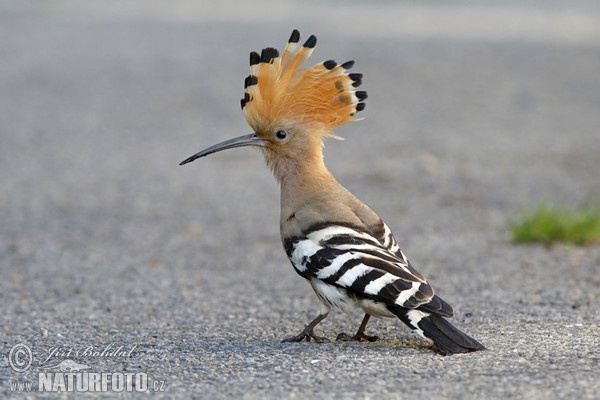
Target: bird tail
<point x="445" y="336"/>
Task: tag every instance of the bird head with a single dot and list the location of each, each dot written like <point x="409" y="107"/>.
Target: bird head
<point x="290" y="108"/>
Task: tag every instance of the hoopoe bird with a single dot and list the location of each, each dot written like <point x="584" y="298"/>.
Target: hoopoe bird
<point x="338" y="244"/>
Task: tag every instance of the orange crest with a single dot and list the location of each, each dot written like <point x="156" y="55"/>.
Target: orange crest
<point x="278" y="91"/>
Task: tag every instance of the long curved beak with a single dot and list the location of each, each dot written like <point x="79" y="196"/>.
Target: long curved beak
<point x="240" y="141"/>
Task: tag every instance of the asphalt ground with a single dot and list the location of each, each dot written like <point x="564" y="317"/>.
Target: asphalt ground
<point x="117" y="259"/>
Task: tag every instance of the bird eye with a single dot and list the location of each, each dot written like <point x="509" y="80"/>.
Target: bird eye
<point x="281" y="134"/>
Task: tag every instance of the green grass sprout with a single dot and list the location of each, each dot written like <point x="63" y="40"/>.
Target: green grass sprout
<point x="549" y="225"/>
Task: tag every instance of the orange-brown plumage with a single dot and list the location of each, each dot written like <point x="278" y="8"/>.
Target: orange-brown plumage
<point x="279" y="92"/>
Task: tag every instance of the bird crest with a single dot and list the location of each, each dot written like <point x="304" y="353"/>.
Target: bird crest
<point x="278" y="91"/>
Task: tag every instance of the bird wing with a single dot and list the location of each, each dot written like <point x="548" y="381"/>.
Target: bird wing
<point x="348" y="257"/>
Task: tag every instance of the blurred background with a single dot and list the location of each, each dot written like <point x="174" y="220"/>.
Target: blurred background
<point x="101" y="98"/>
<point x="491" y="106"/>
<point x="475" y="111"/>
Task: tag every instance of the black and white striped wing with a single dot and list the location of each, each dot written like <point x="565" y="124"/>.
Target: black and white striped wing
<point x="354" y="260"/>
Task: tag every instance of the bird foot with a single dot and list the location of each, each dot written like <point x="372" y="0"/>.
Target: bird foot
<point x="306" y="335"/>
<point x="359" y="337"/>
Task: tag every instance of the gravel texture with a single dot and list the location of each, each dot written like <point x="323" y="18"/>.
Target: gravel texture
<point x="473" y="114"/>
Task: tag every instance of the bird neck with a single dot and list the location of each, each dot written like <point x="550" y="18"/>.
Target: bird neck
<point x="310" y="194"/>
<point x="303" y="180"/>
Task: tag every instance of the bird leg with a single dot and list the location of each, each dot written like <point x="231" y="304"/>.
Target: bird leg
<point x="308" y="334"/>
<point x="360" y="334"/>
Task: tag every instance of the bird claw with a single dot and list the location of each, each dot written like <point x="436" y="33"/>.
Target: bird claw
<point x="359" y="337"/>
<point x="306" y="336"/>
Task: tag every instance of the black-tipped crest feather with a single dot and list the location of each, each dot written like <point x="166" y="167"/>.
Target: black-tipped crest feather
<point x="348" y="64"/>
<point x="330" y="64"/>
<point x="294" y="37"/>
<point x="361" y="95"/>
<point x="311" y="42"/>
<point x="268" y="54"/>
<point x="279" y="88"/>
